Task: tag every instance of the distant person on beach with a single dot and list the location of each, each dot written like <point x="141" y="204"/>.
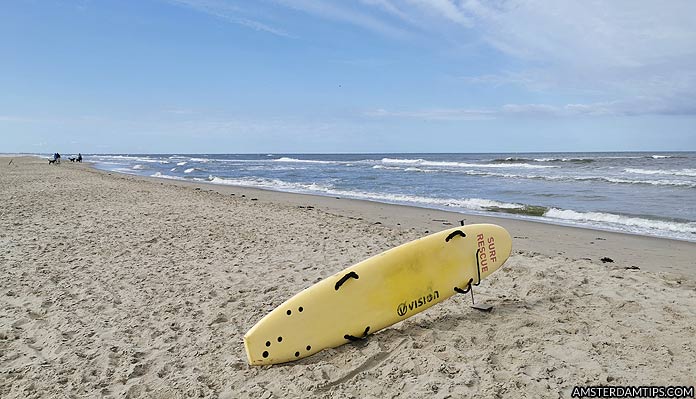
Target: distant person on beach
<point x="79" y="157"/>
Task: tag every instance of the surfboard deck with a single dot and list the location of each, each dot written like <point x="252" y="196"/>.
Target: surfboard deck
<point x="378" y="292"/>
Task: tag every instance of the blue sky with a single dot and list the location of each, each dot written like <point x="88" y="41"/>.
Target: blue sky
<point x="223" y="76"/>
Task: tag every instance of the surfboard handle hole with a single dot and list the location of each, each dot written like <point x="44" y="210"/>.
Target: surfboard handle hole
<point x="345" y="278"/>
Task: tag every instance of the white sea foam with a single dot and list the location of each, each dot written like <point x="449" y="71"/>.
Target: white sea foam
<point x="580" y="159"/>
<point x="422" y="170"/>
<point x="621" y="157"/>
<point x="564" y="160"/>
<point x="661" y="156"/>
<point x="151" y="160"/>
<point x="138" y="167"/>
<point x="199" y="160"/>
<point x="286" y="159"/>
<point x="163" y="176"/>
<point x="673" y="172"/>
<point x="423" y="162"/>
<point x="402" y="161"/>
<point x="189" y="170"/>
<point x="181" y="163"/>
<point x="639" y="224"/>
<point x="273" y="184"/>
<point x="130" y="158"/>
<point x="661" y="182"/>
<point x="519" y="160"/>
<point x="467" y="203"/>
<point x="116" y="156"/>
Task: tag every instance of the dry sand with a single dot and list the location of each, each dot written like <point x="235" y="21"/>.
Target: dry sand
<point x="117" y="286"/>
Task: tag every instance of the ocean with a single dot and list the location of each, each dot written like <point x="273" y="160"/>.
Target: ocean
<point x="642" y="193"/>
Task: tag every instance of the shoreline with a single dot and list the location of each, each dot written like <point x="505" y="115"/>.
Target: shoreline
<point x="121" y="286"/>
<point x="541" y="237"/>
<point x="490" y="214"/>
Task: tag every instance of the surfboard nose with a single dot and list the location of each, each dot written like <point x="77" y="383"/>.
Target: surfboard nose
<point x="494" y="248"/>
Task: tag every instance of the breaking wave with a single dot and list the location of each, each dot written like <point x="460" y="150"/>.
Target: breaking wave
<point x="637" y="224"/>
<point x="423" y="162"/>
<point x="523" y="160"/>
<point x="276" y="184"/>
<point x="163" y="176"/>
<point x="286" y="159"/>
<point x="680" y="172"/>
<point x="661" y="182"/>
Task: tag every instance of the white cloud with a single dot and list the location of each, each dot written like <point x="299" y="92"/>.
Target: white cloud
<point x="628" y="53"/>
<point x="229" y="12"/>
<point x="637" y="106"/>
<point x="339" y="11"/>
<point x="435" y="114"/>
<point x="14" y="118"/>
<point x="446" y="9"/>
<point x="622" y="51"/>
<point x="642" y="53"/>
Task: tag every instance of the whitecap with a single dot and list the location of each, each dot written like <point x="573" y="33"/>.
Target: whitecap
<point x="423" y="162"/>
<point x="602" y="218"/>
<point x="673" y="172"/>
<point x="286" y="159"/>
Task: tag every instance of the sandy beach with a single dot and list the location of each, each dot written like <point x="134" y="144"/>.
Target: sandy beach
<point x="121" y="286"/>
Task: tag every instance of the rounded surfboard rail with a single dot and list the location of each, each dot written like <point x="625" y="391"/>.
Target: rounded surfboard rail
<point x="378" y="292"/>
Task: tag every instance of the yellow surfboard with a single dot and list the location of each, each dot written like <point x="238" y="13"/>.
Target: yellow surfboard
<point x="378" y="292"/>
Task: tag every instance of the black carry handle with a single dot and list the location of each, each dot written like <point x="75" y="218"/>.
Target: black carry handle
<point x="471" y="280"/>
<point x="345" y="278"/>
<point x="353" y="339"/>
<point x="454" y="234"/>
